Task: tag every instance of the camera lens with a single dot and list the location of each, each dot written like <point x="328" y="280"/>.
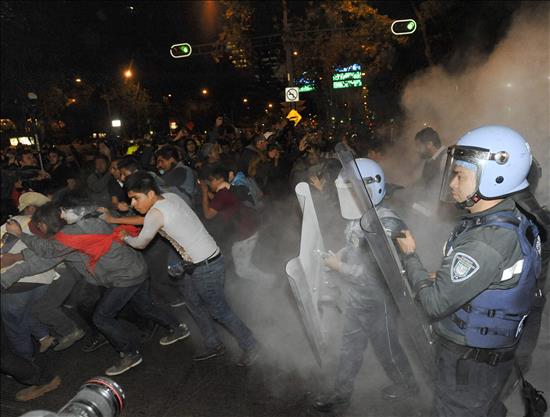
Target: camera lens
<point x="98" y="397"/>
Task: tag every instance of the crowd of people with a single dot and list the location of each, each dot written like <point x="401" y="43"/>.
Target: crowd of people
<point x="157" y="223"/>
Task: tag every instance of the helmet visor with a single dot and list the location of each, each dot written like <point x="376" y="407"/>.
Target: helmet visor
<point x="462" y="173"/>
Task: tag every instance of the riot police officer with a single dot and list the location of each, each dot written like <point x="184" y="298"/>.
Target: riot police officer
<point x="483" y="292"/>
<point x="370" y="313"/>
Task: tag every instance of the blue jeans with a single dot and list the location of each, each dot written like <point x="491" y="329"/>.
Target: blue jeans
<point x="205" y="298"/>
<point x="113" y="301"/>
<point x="19" y="322"/>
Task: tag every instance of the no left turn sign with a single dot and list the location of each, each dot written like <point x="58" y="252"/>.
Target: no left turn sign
<point x="292" y="94"/>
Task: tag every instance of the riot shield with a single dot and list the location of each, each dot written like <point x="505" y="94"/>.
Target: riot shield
<point x="416" y="322"/>
<point x="307" y="273"/>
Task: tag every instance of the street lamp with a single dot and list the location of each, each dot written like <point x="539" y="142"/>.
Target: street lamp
<point x="78" y="80"/>
<point x="128" y="73"/>
<point x="270" y="105"/>
<point x="204" y="92"/>
<point x="245" y="100"/>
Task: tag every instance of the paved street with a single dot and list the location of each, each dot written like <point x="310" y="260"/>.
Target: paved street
<point x="282" y="383"/>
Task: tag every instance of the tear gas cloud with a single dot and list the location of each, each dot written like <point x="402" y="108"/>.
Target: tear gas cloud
<point x="511" y="87"/>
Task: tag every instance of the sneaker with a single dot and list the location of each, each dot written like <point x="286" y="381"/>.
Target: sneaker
<point x="210" y="353"/>
<point x="127" y="361"/>
<point x="35" y="391"/>
<point x="94" y="343"/>
<point x="67" y="341"/>
<point x="249" y="356"/>
<point x="331" y="403"/>
<point x="179" y="333"/>
<point x="399" y="391"/>
<point x="46" y="342"/>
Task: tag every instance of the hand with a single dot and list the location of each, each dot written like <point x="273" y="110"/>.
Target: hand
<point x="107" y="217"/>
<point x="13" y="227"/>
<point x="333" y="262"/>
<point x="407" y="244"/>
<point x="204" y="187"/>
<point x="319" y="184"/>
<point x="302" y="144"/>
<point x="123" y="233"/>
<point x="8" y="259"/>
<point x="42" y="175"/>
<point x="123" y="206"/>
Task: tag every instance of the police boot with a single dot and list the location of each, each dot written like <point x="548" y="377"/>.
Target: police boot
<point x="399" y="391"/>
<point x="331" y="403"/>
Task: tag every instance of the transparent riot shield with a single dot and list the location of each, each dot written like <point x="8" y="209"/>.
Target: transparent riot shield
<point x="307" y="273"/>
<point x="383" y="250"/>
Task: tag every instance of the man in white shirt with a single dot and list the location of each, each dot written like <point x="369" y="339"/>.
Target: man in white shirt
<point x="202" y="263"/>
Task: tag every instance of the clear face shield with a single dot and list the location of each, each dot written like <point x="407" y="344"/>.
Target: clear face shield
<point x="350" y="205"/>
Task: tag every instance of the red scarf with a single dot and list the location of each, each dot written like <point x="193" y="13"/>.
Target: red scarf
<point x="94" y="245"/>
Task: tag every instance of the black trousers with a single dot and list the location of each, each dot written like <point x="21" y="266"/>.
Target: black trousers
<point x="465" y="388"/>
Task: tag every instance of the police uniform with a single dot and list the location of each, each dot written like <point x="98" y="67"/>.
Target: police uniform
<point x="479" y="301"/>
<point x="370" y="313"/>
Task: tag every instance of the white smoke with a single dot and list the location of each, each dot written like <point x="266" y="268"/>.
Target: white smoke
<point x="511" y="87"/>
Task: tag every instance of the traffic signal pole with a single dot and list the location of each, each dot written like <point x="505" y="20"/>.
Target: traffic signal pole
<point x="288" y="50"/>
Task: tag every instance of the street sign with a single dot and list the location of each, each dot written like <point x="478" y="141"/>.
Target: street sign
<point x="294" y="116"/>
<point x="292" y="94"/>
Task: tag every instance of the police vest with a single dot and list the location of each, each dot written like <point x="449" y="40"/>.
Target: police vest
<point x="494" y="318"/>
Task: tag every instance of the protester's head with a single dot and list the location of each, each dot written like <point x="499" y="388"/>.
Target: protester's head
<point x="427" y="142"/>
<point x="30" y="201"/>
<point x="274" y="151"/>
<point x="216" y="176"/>
<point x="212" y="152"/>
<point x="260" y="142"/>
<point x="190" y="146"/>
<point x="26" y="158"/>
<point x="47" y="218"/>
<point x="167" y="157"/>
<point x="127" y="166"/>
<point x="102" y="163"/>
<point x="55" y="156"/>
<point x="114" y="169"/>
<point x="142" y="190"/>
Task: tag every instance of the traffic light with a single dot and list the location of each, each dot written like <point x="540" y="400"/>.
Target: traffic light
<point x="403" y="27"/>
<point x="180" y="50"/>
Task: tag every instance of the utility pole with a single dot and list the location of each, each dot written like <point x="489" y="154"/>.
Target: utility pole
<point x="288" y="51"/>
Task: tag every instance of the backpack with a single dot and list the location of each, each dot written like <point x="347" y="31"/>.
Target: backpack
<point x="255" y="196"/>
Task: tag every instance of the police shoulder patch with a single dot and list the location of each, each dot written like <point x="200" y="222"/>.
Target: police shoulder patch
<point x="463" y="267"/>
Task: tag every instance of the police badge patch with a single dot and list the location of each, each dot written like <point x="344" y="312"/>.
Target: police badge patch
<point x="463" y="267"/>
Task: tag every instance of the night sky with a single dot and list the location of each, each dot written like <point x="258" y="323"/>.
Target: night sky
<point x="97" y="41"/>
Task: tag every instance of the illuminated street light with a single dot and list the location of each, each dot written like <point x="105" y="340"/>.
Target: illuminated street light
<point x="78" y="80"/>
<point x="245" y="100"/>
<point x="169" y="95"/>
<point x="128" y="73"/>
<point x="295" y="53"/>
<point x="270" y="105"/>
<point x="204" y="92"/>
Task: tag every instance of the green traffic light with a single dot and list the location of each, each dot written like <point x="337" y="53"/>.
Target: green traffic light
<point x="180" y="50"/>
